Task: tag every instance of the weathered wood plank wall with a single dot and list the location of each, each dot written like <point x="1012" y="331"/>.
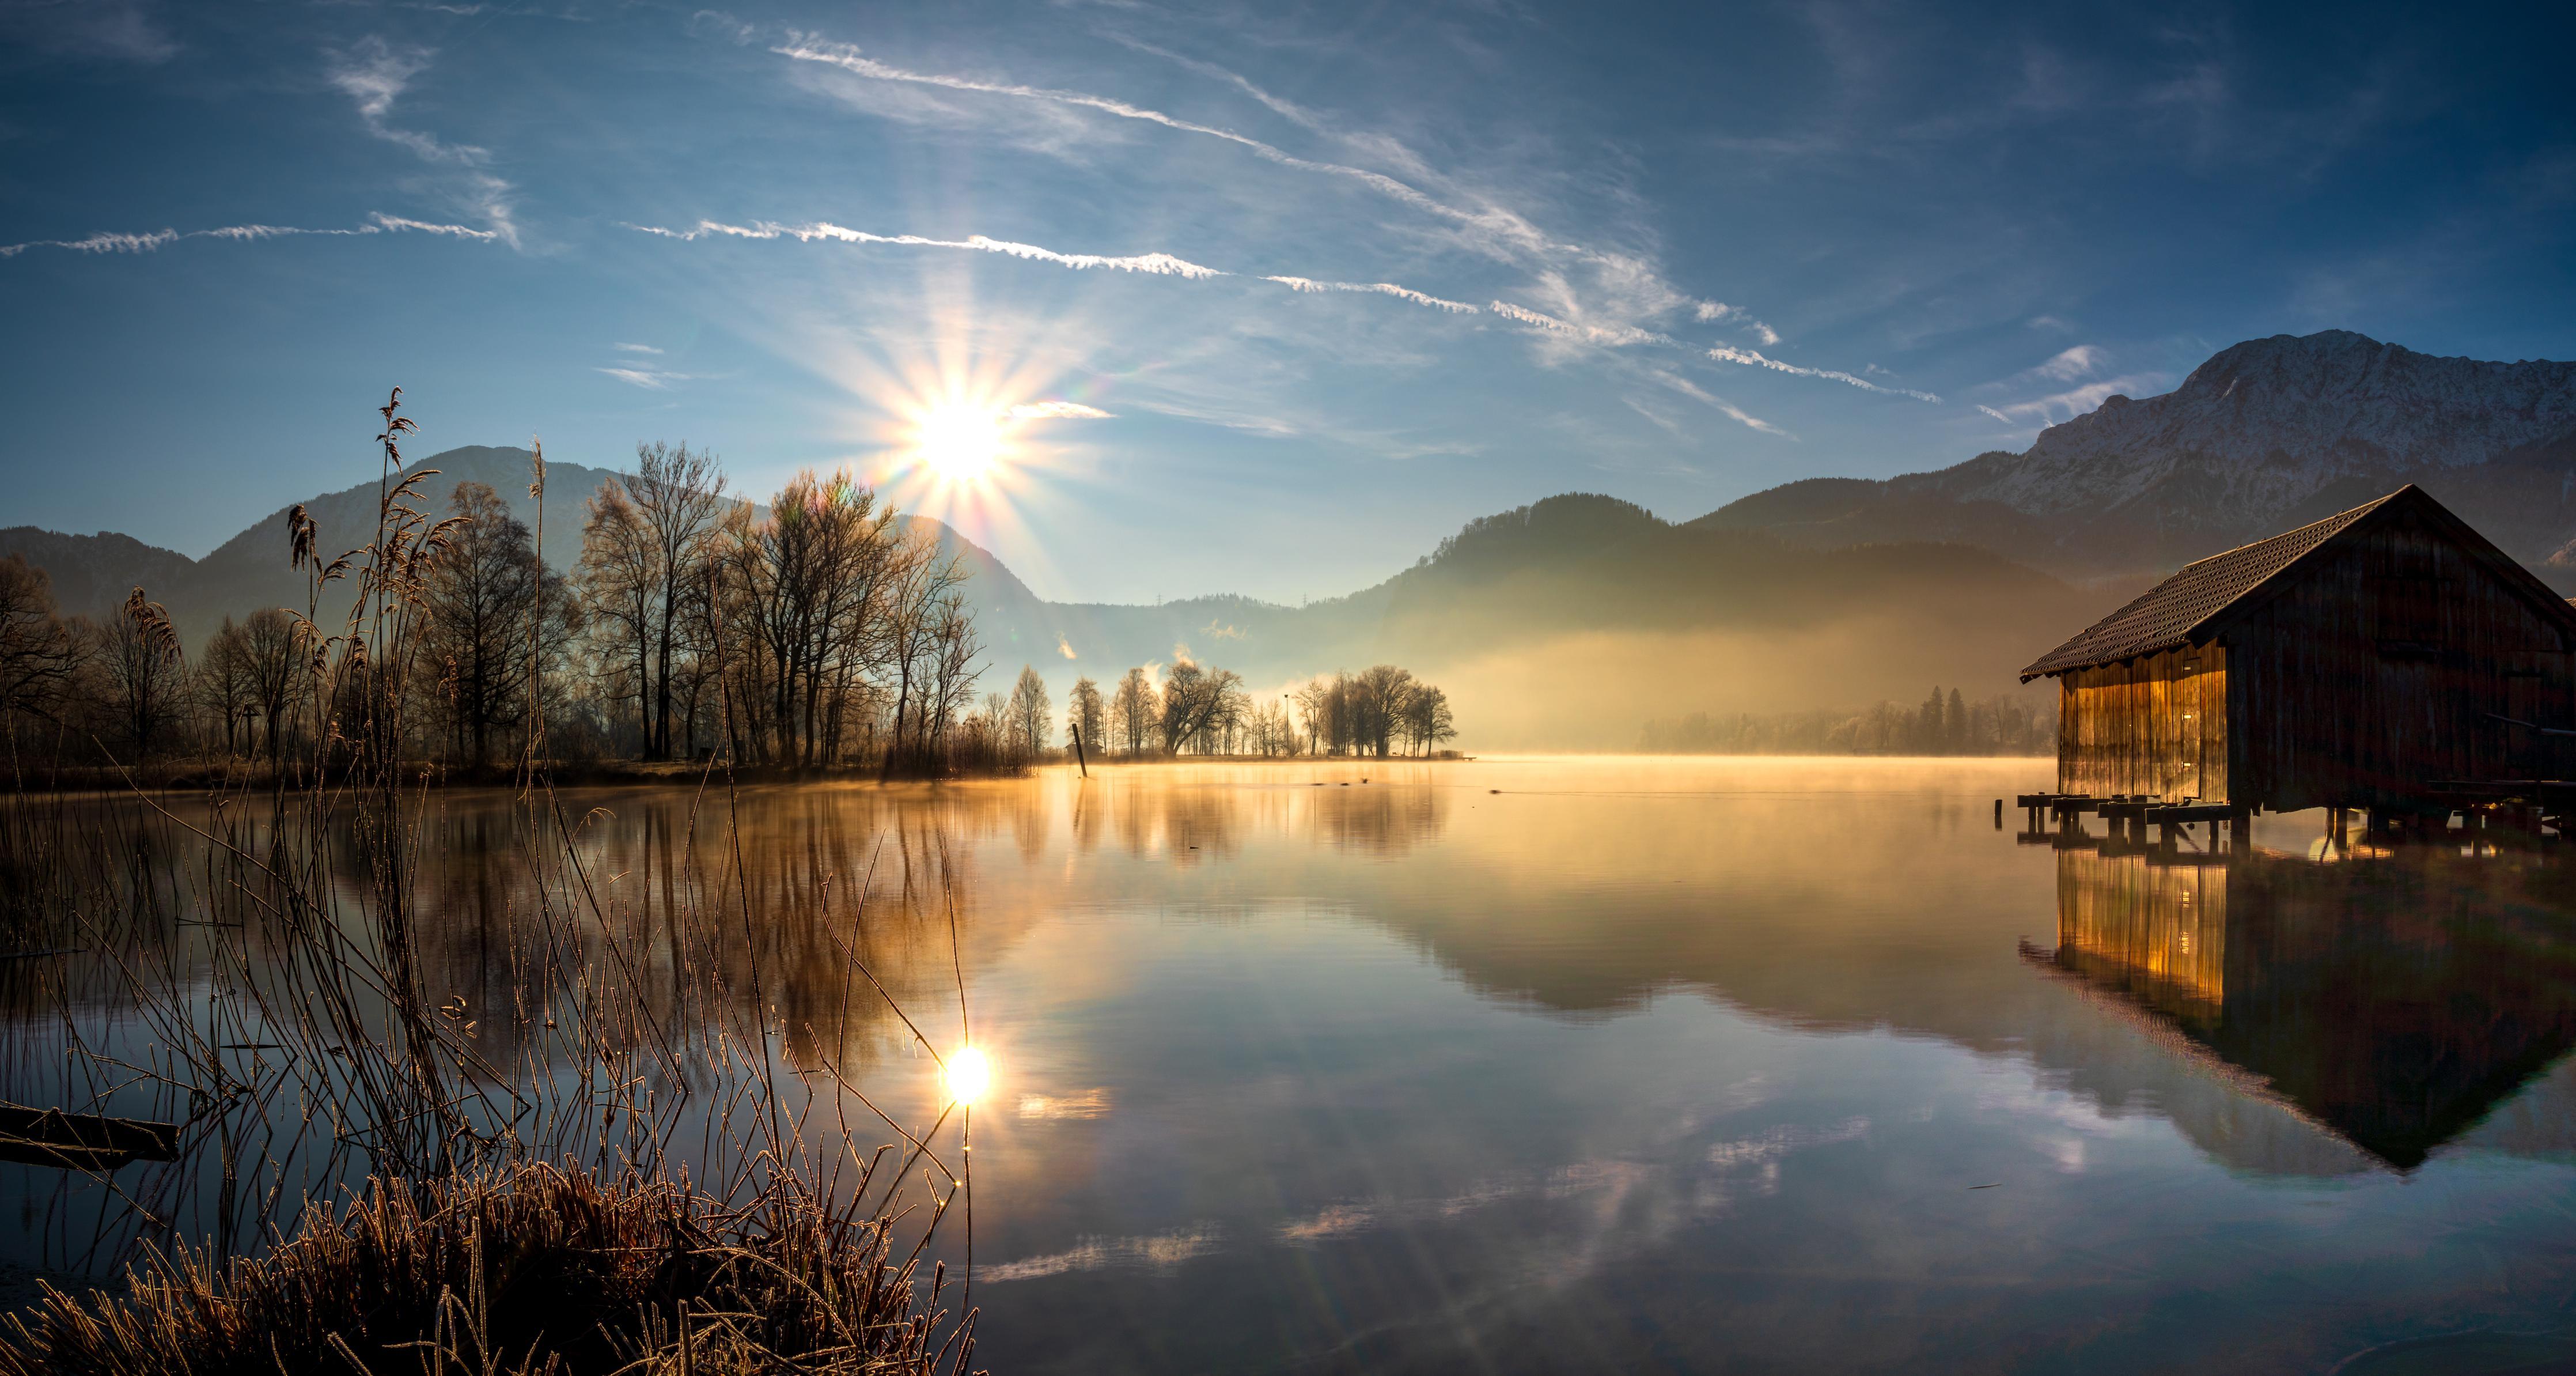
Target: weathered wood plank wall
<point x="2154" y="727"/>
<point x="2372" y="671"/>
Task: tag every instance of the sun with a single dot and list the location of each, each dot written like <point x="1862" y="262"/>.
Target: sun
<point x="959" y="442"/>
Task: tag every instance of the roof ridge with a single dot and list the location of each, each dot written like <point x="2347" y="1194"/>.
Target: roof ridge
<point x="2164" y="616"/>
<point x="2354" y="513"/>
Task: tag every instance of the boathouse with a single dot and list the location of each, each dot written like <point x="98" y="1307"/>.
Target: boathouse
<point x="2389" y="658"/>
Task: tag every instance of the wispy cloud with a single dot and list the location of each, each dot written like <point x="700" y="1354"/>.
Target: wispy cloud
<point x="1695" y="392"/>
<point x="2075" y="401"/>
<point x="116" y="29"/>
<point x="1055" y="410"/>
<point x="1751" y="359"/>
<point x="373" y="74"/>
<point x="635" y="348"/>
<point x="1270" y="426"/>
<point x="1997" y="414"/>
<point x="2081" y="361"/>
<point x="1620" y="291"/>
<point x="650" y="379"/>
<point x="115" y="242"/>
<point x="1501" y="232"/>
<point x="1712" y="312"/>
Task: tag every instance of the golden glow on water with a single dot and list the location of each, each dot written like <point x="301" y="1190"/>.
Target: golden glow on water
<point x="970" y="1074"/>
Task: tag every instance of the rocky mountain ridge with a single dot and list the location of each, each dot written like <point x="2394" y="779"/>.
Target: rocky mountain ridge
<point x="2264" y="435"/>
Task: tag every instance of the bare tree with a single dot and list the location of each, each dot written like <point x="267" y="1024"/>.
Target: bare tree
<point x="678" y="496"/>
<point x="39" y="653"/>
<point x="484" y="595"/>
<point x="1086" y="715"/>
<point x="1376" y="701"/>
<point x="224" y="684"/>
<point x="1196" y="701"/>
<point x="1028" y="722"/>
<point x="1134" y="711"/>
<point x="920" y="634"/>
<point x="143" y="674"/>
<point x="1426" y="719"/>
<point x="269" y="653"/>
<point x="953" y="670"/>
<point x="618" y="579"/>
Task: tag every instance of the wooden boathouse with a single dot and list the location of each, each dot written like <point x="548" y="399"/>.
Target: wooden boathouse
<point x="2387" y="658"/>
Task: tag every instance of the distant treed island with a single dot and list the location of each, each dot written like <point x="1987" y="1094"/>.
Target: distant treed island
<point x="818" y="631"/>
<point x="2000" y="725"/>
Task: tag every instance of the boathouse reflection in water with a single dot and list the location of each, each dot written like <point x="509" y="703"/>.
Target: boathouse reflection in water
<point x="2393" y="997"/>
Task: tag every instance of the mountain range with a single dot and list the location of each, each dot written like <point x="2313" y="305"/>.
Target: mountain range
<point x="2266" y="435"/>
<point x="1567" y="622"/>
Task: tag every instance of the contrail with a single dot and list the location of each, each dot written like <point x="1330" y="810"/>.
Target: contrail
<point x="1382" y="288"/>
<point x="1167" y="265"/>
<point x="112" y="242"/>
<point x="1152" y="264"/>
<point x="1612" y="335"/>
<point x="1726" y="354"/>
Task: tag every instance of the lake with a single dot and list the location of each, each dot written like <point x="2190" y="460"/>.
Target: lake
<point x="1631" y="1064"/>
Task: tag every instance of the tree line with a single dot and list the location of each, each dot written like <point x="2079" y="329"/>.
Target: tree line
<point x="1380" y="711"/>
<point x="1190" y="709"/>
<point x="826" y="632"/>
<point x="1942" y="724"/>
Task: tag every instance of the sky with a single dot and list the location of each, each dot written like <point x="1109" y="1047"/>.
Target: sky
<point x="1253" y="298"/>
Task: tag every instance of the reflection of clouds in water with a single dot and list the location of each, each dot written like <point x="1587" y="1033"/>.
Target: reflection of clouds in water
<point x="1768" y="1147"/>
<point x="1090" y="1103"/>
<point x="1581" y="1179"/>
<point x="1336" y="1221"/>
<point x="1159" y="1251"/>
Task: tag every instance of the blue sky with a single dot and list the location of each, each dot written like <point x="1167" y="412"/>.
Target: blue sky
<point x="1267" y="297"/>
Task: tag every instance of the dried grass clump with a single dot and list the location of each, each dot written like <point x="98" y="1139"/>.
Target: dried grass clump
<point x="536" y="1269"/>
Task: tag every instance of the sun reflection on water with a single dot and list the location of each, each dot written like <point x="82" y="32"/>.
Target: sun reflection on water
<point x="969" y="1075"/>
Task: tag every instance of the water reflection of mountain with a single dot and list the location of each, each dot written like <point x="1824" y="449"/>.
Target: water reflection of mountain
<point x="2396" y="1001"/>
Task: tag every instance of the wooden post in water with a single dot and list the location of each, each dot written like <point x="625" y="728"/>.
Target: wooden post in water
<point x="1078" y="761"/>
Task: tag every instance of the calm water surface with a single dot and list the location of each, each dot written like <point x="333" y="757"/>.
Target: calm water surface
<point x="1719" y="1065"/>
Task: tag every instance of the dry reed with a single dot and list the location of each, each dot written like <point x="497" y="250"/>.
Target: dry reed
<point x="533" y="1269"/>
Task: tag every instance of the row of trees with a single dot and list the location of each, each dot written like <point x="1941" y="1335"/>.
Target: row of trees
<point x="827" y="632"/>
<point x="1942" y="724"/>
<point x="1187" y="708"/>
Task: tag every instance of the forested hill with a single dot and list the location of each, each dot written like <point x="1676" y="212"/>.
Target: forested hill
<point x="1562" y="624"/>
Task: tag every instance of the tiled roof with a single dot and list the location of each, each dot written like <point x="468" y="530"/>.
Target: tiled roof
<point x="2165" y="615"/>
